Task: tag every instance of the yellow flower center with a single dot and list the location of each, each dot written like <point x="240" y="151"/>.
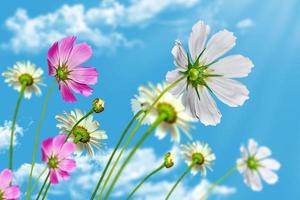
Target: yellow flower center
<point x="26" y="79"/>
<point x="81" y="135"/>
<point x="169" y="110"/>
<point x="198" y="158"/>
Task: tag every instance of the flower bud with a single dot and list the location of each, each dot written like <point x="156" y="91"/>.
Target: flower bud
<point x="168" y="160"/>
<point x="98" y="105"/>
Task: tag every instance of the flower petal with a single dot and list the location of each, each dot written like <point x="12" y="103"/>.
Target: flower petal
<point x="11" y="193"/>
<point x="65" y="48"/>
<point x="67" y="149"/>
<point x="270" y="164"/>
<point x="263" y="152"/>
<point x="5" y="178"/>
<point x="53" y="55"/>
<point x="173" y="76"/>
<point x="67" y="165"/>
<point x="63" y="174"/>
<point x="66" y="92"/>
<point x="53" y="177"/>
<point x="85" y="75"/>
<point x="58" y="143"/>
<point x="230" y="92"/>
<point x="180" y="56"/>
<point x="80" y="53"/>
<point x="268" y="175"/>
<point x="252" y="147"/>
<point x="254" y="180"/>
<point x="198" y="39"/>
<point x="83" y="89"/>
<point x="47" y="149"/>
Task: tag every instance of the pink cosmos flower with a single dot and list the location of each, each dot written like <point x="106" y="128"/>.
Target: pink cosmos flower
<point x="8" y="192"/>
<point x="64" y="62"/>
<point x="56" y="153"/>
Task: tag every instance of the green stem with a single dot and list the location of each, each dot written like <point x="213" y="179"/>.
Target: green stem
<point x="43" y="186"/>
<point x="134" y="130"/>
<point x="37" y="180"/>
<point x="180" y="179"/>
<point x="36" y="140"/>
<point x="46" y="191"/>
<point x="114" y="152"/>
<point x="11" y="147"/>
<point x="145" y="179"/>
<point x="215" y="184"/>
<point x="160" y="118"/>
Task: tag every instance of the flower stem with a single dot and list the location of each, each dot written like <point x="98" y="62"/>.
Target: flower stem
<point x="114" y="152"/>
<point x="11" y="147"/>
<point x="135" y="129"/>
<point x="159" y="119"/>
<point x="37" y="180"/>
<point x="46" y="191"/>
<point x="180" y="179"/>
<point x="215" y="184"/>
<point x="43" y="186"/>
<point x="145" y="179"/>
<point x="37" y="138"/>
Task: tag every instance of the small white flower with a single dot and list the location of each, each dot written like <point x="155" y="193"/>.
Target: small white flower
<point x="200" y="151"/>
<point x="207" y="73"/>
<point x="256" y="164"/>
<point x="178" y="118"/>
<point x="24" y="72"/>
<point x="85" y="135"/>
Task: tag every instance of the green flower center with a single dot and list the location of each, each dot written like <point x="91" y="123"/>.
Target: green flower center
<point x="81" y="135"/>
<point x="252" y="163"/>
<point x="62" y="72"/>
<point x="198" y="158"/>
<point x="169" y="111"/>
<point x="53" y="162"/>
<point x="26" y="79"/>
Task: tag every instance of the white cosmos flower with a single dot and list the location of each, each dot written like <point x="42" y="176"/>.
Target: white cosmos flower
<point x="179" y="118"/>
<point x="24" y="71"/>
<point x="202" y="152"/>
<point x="256" y="164"/>
<point x="208" y="73"/>
<point x="86" y="134"/>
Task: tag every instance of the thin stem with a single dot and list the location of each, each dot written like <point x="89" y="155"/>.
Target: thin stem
<point x="11" y="147"/>
<point x="46" y="191"/>
<point x="180" y="179"/>
<point x="43" y="186"/>
<point x="145" y="179"/>
<point x="37" y="180"/>
<point x="36" y="140"/>
<point x="160" y="118"/>
<point x="114" y="152"/>
<point x="134" y="130"/>
<point x="215" y="184"/>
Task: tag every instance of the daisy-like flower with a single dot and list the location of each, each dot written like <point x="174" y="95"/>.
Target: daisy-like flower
<point x="64" y="62"/>
<point x="256" y="164"/>
<point x="85" y="135"/>
<point x="177" y="117"/>
<point x="24" y="73"/>
<point x="56" y="154"/>
<point x="200" y="153"/>
<point x="207" y="73"/>
<point x="8" y="192"/>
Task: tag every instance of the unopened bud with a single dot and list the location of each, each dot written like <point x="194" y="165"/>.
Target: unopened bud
<point x="98" y="105"/>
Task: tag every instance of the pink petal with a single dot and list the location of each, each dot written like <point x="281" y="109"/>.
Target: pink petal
<point x="63" y="174"/>
<point x="65" y="48"/>
<point x="51" y="69"/>
<point x="80" y="53"/>
<point x="58" y="142"/>
<point x="12" y="192"/>
<point x="53" y="177"/>
<point x="86" y="75"/>
<point x="5" y="178"/>
<point x="67" y="165"/>
<point x="47" y="149"/>
<point x="53" y="55"/>
<point x="66" y="92"/>
<point x="67" y="149"/>
<point x="80" y="88"/>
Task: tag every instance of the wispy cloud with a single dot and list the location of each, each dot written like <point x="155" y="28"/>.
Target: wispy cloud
<point x="245" y="23"/>
<point x="5" y="132"/>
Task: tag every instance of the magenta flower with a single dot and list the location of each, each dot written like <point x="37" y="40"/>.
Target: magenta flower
<point x="56" y="153"/>
<point x="8" y="192"/>
<point x="64" y="62"/>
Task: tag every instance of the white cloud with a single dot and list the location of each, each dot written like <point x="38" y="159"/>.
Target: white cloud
<point x="245" y="23"/>
<point x="88" y="171"/>
<point x="97" y="25"/>
<point x="5" y="132"/>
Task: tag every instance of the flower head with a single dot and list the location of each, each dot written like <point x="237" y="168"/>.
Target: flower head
<point x="168" y="162"/>
<point x="85" y="135"/>
<point x="24" y="73"/>
<point x="8" y="192"/>
<point x="199" y="153"/>
<point x="256" y="164"/>
<point x="207" y="73"/>
<point x="56" y="154"/>
<point x="98" y="105"/>
<point x="177" y="117"/>
<point x="63" y="63"/>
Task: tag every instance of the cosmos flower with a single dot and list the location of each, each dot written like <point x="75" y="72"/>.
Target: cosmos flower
<point x="179" y="118"/>
<point x="256" y="164"/>
<point x="56" y="154"/>
<point x="64" y="62"/>
<point x="206" y="72"/>
<point x="200" y="151"/>
<point x="85" y="135"/>
<point x="8" y="192"/>
<point x="24" y="73"/>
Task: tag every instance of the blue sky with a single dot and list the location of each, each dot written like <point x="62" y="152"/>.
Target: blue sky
<point x="132" y="45"/>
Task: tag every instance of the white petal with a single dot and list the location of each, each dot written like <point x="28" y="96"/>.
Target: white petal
<point x="254" y="180"/>
<point x="198" y="38"/>
<point x="218" y="45"/>
<point x="160" y="132"/>
<point x="252" y="146"/>
<point x="180" y="56"/>
<point x="270" y="164"/>
<point x="241" y="165"/>
<point x="269" y="176"/>
<point x="263" y="152"/>
<point x="175" y="134"/>
<point x="230" y="92"/>
<point x="173" y="76"/>
<point x="235" y="66"/>
<point x="244" y="152"/>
